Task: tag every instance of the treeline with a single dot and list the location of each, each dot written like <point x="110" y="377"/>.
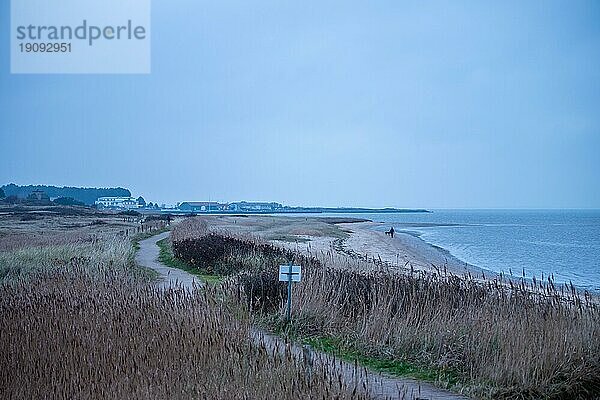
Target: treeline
<point x="85" y="195"/>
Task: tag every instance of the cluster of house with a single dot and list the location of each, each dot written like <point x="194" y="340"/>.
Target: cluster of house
<point x="208" y="206"/>
<point x="130" y="203"/>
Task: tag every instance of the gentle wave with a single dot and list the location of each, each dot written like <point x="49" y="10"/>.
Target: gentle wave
<point x="565" y="243"/>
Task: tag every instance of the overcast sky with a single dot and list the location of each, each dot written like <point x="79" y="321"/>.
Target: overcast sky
<point x="371" y="103"/>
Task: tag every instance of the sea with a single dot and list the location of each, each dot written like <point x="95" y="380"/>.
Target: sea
<point x="562" y="243"/>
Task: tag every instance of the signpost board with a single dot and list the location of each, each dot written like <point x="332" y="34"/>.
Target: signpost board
<point x="285" y="273"/>
<point x="289" y="273"/>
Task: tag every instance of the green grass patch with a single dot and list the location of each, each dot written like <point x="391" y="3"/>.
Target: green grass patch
<point x="166" y="257"/>
<point x="352" y="353"/>
<point x="390" y="366"/>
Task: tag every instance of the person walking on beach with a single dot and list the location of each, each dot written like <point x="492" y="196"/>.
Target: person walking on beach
<point x="392" y="232"/>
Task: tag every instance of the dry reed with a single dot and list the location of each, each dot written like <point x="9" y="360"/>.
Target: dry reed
<point x="508" y="339"/>
<point x="80" y="321"/>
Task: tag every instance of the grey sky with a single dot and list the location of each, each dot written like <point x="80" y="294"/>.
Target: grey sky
<point x="379" y="103"/>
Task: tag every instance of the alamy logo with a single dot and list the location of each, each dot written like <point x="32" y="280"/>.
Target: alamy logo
<point x="80" y="36"/>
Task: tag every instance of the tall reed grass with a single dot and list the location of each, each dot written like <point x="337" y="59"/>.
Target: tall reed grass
<point x="93" y="256"/>
<point x="72" y="335"/>
<point x="502" y="339"/>
<point x="78" y="321"/>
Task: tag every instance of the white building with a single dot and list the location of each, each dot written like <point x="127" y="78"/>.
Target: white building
<point x="126" y="203"/>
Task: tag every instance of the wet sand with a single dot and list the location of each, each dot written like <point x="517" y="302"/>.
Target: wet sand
<point x="359" y="239"/>
<point x="404" y="250"/>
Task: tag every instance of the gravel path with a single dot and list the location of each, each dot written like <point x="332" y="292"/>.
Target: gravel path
<point x="379" y="386"/>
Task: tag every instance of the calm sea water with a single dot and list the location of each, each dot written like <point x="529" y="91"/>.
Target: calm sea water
<point x="565" y="243"/>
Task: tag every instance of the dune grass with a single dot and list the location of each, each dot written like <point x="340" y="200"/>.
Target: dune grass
<point x="83" y="321"/>
<point x="492" y="339"/>
<point x="71" y="334"/>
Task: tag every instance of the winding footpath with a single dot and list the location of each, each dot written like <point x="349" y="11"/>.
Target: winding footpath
<point x="379" y="386"/>
<point x="147" y="256"/>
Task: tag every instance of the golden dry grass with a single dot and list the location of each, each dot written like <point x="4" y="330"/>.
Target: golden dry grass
<point x="71" y="334"/>
<point x="500" y="339"/>
<point x="80" y="320"/>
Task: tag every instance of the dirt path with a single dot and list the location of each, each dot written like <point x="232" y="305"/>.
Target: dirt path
<point x="379" y="386"/>
<point x="147" y="256"/>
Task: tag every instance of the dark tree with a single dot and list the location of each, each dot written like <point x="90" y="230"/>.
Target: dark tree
<point x="12" y="200"/>
<point x="141" y="201"/>
<point x="85" y="195"/>
<point x="2" y="195"/>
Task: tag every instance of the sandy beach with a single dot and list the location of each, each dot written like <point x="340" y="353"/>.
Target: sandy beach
<point x="404" y="250"/>
<point x="357" y="238"/>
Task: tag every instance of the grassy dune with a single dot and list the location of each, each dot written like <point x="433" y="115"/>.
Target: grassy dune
<point x="81" y="320"/>
<point x="494" y="339"/>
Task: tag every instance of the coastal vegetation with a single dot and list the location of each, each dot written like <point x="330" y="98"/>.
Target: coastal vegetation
<point x="72" y="295"/>
<point x="166" y="257"/>
<point x="79" y="319"/>
<point x="490" y="339"/>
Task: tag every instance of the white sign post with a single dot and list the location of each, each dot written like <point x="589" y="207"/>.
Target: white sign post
<point x="289" y="273"/>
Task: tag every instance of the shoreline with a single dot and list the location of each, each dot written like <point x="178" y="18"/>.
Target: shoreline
<point x="407" y="249"/>
<point x="352" y="236"/>
<point x="361" y="239"/>
<point x="428" y="252"/>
